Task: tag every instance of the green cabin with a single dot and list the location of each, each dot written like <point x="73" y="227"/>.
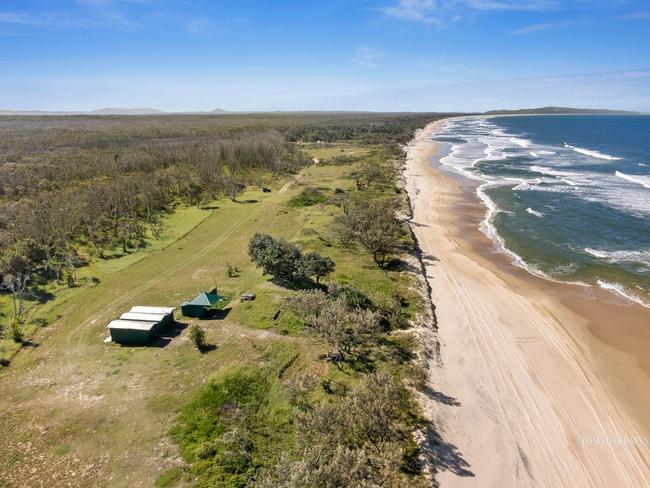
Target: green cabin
<point x="199" y="306"/>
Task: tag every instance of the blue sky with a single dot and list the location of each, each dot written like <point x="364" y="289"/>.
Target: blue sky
<point x="418" y="55"/>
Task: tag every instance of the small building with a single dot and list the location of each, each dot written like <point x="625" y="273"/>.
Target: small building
<point x="200" y="304"/>
<point x="161" y="320"/>
<point x="131" y="331"/>
<point x="165" y="310"/>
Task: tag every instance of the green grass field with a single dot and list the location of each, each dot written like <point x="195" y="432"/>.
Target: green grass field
<point x="77" y="411"/>
<point x="176" y="225"/>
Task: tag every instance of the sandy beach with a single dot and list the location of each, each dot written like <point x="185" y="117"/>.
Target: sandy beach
<point x="538" y="383"/>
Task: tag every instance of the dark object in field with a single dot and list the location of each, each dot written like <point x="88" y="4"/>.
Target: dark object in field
<point x="266" y="190"/>
<point x="247" y="296"/>
<point x="276" y="315"/>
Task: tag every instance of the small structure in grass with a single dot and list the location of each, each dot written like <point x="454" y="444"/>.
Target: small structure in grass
<point x="141" y="324"/>
<point x="162" y="321"/>
<point x="132" y="332"/>
<point x="202" y="304"/>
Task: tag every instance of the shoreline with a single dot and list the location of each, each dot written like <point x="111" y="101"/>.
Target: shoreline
<point x="478" y="185"/>
<point x="535" y="368"/>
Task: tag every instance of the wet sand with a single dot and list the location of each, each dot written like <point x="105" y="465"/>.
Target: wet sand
<point x="551" y="381"/>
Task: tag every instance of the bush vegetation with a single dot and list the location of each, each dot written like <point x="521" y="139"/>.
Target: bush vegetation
<point x="285" y="261"/>
<point x="197" y="337"/>
<point x="308" y="197"/>
<point x="350" y="426"/>
<point x="326" y="406"/>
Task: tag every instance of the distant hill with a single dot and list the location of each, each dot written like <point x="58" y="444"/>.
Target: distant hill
<point x="101" y="111"/>
<point x="558" y="111"/>
<point x="220" y="111"/>
<point x="127" y="111"/>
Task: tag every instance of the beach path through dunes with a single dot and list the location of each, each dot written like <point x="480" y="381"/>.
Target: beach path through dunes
<point x="522" y="406"/>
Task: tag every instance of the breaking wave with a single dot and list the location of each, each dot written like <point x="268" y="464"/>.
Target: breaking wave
<point x="593" y="154"/>
<point x="644" y="181"/>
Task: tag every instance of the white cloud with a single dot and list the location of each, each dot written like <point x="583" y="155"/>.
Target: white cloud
<point x="441" y="12"/>
<point x="66" y="19"/>
<point x="544" y="26"/>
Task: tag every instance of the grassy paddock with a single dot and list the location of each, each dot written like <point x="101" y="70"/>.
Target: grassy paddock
<point x="43" y="312"/>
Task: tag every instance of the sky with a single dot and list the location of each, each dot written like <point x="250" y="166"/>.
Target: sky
<point x="380" y="55"/>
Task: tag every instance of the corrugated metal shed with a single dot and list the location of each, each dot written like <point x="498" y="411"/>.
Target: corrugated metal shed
<point x="131" y="331"/>
<point x="162" y="320"/>
<point x="143" y="309"/>
<point x="144" y="317"/>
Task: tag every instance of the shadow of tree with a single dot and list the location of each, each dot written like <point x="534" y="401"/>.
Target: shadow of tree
<point x="440" y="397"/>
<point x="207" y="348"/>
<point x="443" y="455"/>
<point x="300" y="283"/>
<point x="397" y="264"/>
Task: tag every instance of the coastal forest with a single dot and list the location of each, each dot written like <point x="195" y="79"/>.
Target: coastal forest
<point x="314" y="383"/>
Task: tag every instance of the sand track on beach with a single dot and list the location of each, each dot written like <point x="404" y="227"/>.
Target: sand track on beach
<point x="529" y="409"/>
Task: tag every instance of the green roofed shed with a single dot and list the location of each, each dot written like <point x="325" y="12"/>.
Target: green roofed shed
<point x="200" y="304"/>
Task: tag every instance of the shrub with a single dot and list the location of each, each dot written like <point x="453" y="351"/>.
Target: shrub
<point x="197" y="337"/>
<point x="238" y="422"/>
<point x="352" y="296"/>
<point x="308" y="197"/>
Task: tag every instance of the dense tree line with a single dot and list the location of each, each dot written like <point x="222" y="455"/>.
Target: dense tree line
<point x="53" y="205"/>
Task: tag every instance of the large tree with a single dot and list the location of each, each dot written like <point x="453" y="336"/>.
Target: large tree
<point x="313" y="264"/>
<point x="375" y="227"/>
<point x="276" y="257"/>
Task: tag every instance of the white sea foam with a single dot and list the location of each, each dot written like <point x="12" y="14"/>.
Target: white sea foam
<point x="488" y="228"/>
<point x="622" y="292"/>
<point x="621" y="256"/>
<point x="593" y="154"/>
<point x="641" y="164"/>
<point x="642" y="180"/>
<point x="521" y="142"/>
<point x="537" y="154"/>
<point x="570" y="183"/>
<point x="552" y="172"/>
<point x="535" y="213"/>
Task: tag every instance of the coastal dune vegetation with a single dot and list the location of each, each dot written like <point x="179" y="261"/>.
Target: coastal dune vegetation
<point x="311" y="384"/>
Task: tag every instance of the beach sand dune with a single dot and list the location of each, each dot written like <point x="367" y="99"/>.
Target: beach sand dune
<point x="522" y="403"/>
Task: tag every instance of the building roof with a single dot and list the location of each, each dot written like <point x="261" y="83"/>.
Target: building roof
<point x="142" y="309"/>
<point x="131" y="324"/>
<point x="144" y="317"/>
<point x="204" y="299"/>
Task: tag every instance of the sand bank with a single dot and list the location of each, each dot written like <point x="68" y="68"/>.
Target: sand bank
<point x="539" y="383"/>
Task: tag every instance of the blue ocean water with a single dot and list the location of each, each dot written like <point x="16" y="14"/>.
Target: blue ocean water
<point x="567" y="196"/>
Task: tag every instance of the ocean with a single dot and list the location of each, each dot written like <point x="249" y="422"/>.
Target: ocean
<point x="567" y="197"/>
